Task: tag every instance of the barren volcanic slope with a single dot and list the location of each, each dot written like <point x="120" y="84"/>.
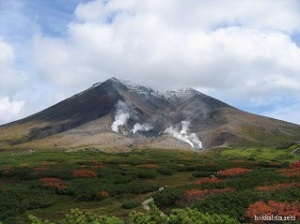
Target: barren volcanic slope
<point x="115" y="115"/>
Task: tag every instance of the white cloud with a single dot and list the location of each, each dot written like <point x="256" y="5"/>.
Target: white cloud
<point x="236" y="49"/>
<point x="145" y="43"/>
<point x="10" y="109"/>
<point x="11" y="79"/>
<point x="6" y="53"/>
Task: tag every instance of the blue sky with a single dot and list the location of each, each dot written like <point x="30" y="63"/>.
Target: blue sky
<point x="245" y="53"/>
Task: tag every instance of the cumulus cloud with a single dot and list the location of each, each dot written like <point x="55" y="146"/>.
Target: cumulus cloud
<point x="11" y="82"/>
<point x="238" y="50"/>
<point x="10" y="109"/>
<point x="158" y="41"/>
<point x="11" y="79"/>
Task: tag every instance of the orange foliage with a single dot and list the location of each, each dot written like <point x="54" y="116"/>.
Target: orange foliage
<point x="147" y="165"/>
<point x="84" y="174"/>
<point x="6" y="168"/>
<point x="59" y="168"/>
<point x="294" y="172"/>
<point x="50" y="179"/>
<point x="104" y="194"/>
<point x="207" y="180"/>
<point x="196" y="194"/>
<point x="53" y="183"/>
<point x="232" y="172"/>
<point x="239" y="161"/>
<point x="273" y="208"/>
<point x="277" y="186"/>
<point x="40" y="168"/>
<point x="98" y="166"/>
<point x="274" y="164"/>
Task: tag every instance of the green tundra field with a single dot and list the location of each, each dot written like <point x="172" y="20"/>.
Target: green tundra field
<point x="226" y="185"/>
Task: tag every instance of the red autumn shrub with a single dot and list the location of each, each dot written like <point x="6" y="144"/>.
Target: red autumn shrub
<point x="295" y="165"/>
<point x="294" y="172"/>
<point x="41" y="168"/>
<point x="232" y="172"/>
<point x="104" y="194"/>
<point x="6" y="168"/>
<point x="193" y="192"/>
<point x="84" y="174"/>
<point x="196" y="194"/>
<point x="277" y="186"/>
<point x="147" y="165"/>
<point x="239" y="161"/>
<point x="207" y="180"/>
<point x="50" y="179"/>
<point x="274" y="164"/>
<point x="273" y="208"/>
<point x="53" y="183"/>
<point x="98" y="166"/>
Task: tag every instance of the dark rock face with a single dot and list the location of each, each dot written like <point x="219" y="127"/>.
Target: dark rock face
<point x="214" y="122"/>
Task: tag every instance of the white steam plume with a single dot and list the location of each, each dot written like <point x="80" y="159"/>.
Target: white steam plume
<point x="141" y="127"/>
<point x="121" y="117"/>
<point x="184" y="135"/>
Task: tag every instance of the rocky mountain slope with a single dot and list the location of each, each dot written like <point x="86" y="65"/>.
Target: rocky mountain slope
<point x="116" y="115"/>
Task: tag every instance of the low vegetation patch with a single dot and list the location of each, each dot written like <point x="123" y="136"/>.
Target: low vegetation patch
<point x="214" y="186"/>
<point x="130" y="204"/>
<point x="278" y="186"/>
<point x="53" y="182"/>
<point x="84" y="174"/>
<point x="233" y="172"/>
<point x="207" y="180"/>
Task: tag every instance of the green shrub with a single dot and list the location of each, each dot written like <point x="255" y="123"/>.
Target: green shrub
<point x="233" y="204"/>
<point x="168" y="196"/>
<point x="135" y="188"/>
<point x="187" y="216"/>
<point x="153" y="217"/>
<point x="130" y="204"/>
<point x="147" y="174"/>
<point x="202" y="173"/>
<point x="20" y="199"/>
<point x="77" y="216"/>
<point x="165" y="171"/>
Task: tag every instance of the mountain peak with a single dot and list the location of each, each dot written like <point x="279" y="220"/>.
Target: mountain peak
<point x="113" y="113"/>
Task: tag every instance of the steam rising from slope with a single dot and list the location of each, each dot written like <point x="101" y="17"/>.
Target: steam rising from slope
<point x="183" y="135"/>
<point x="121" y="117"/>
<point x="141" y="127"/>
<point x="124" y="111"/>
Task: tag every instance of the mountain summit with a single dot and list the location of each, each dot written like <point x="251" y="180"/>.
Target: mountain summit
<point x="118" y="115"/>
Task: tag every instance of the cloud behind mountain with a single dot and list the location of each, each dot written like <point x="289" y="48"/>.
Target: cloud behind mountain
<point x="243" y="52"/>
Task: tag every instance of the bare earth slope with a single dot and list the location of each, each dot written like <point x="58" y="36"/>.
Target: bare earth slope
<point x="115" y="115"/>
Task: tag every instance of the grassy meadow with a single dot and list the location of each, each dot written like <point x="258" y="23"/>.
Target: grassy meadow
<point x="239" y="182"/>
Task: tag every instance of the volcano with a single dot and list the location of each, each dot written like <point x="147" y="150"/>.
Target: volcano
<point x="116" y="115"/>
